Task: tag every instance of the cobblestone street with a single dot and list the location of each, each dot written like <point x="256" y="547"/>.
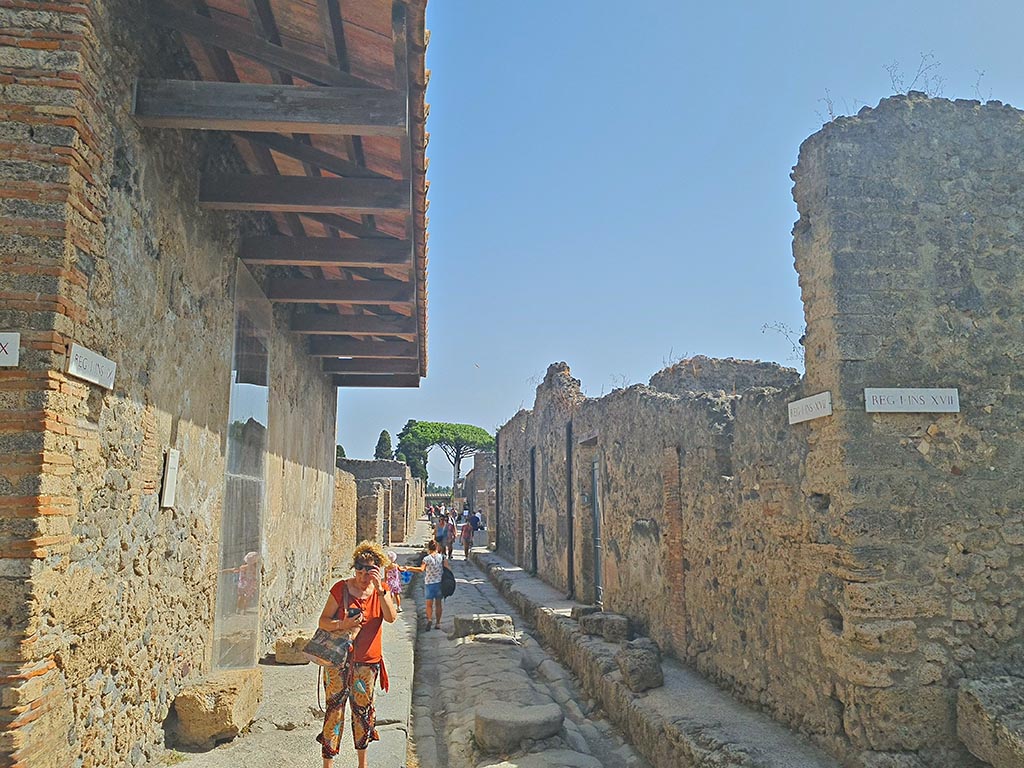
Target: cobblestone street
<point x="456" y="675"/>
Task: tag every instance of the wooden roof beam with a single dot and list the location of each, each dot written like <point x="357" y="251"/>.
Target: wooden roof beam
<point x="331" y="323"/>
<point x="282" y="251"/>
<point x="351" y="292"/>
<point x="312" y="155"/>
<point x="242" y="192"/>
<point x="371" y="365"/>
<point x="321" y="346"/>
<point x="229" y="38"/>
<point x="275" y="108"/>
<point x="357" y="380"/>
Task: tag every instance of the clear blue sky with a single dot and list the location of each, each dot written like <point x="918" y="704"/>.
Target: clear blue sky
<point x="610" y="181"/>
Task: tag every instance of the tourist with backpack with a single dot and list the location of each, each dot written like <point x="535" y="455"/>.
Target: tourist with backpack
<point x="432" y="568"/>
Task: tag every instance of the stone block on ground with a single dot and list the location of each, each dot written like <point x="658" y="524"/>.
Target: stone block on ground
<point x="990" y="719"/>
<point x="611" y="626"/>
<point x="218" y="708"/>
<point x="644" y="643"/>
<point x="500" y="726"/>
<point x="483" y="624"/>
<point x="640" y="668"/>
<point x="579" y="611"/>
<point x="551" y="758"/>
<point x="288" y="648"/>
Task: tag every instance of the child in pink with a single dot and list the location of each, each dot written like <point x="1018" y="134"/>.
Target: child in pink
<point x="393" y="577"/>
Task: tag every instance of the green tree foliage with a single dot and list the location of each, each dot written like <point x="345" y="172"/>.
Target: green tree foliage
<point x="383" y="450"/>
<point x="411" y="451"/>
<point x="339" y="453"/>
<point x="432" y="488"/>
<point x="458" y="441"/>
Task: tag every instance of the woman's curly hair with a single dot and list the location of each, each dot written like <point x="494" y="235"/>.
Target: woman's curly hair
<point x="369" y="549"/>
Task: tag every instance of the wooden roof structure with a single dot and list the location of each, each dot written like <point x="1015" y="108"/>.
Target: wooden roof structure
<point x="325" y="103"/>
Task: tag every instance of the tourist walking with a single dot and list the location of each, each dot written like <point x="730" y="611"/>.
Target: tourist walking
<point x="432" y="569"/>
<point x="366" y="597"/>
<point x="466" y="535"/>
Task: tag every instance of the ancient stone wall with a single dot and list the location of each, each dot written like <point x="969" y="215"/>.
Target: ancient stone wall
<point x="479" y="484"/>
<point x="707" y="374"/>
<point x="343" y="521"/>
<point x="846" y="573"/>
<point x="911" y="270"/>
<point x="401" y="499"/>
<point x="108" y="598"/>
<point x="371" y="508"/>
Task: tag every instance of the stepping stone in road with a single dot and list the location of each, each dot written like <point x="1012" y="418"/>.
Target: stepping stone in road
<point x="483" y="624"/>
<point x="501" y="726"/>
<point x="552" y="758"/>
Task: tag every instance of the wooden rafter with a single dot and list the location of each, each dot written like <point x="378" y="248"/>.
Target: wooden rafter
<point x="325" y="346"/>
<point x="283" y="251"/>
<point x="259" y="107"/>
<point x="360" y="380"/>
<point x="313" y="156"/>
<point x="349" y="292"/>
<point x="331" y="323"/>
<point x="371" y="365"/>
<point x="239" y="192"/>
<point x="225" y="36"/>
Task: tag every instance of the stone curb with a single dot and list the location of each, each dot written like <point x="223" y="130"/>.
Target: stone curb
<point x="710" y="729"/>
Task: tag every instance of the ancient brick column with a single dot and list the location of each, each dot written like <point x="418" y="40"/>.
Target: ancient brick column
<point x="910" y="259"/>
<point x="49" y="237"/>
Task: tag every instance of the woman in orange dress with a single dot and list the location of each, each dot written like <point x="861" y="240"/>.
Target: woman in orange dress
<point x="355" y="682"/>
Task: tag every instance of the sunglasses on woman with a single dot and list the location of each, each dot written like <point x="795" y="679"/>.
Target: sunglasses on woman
<point x="364" y="566"/>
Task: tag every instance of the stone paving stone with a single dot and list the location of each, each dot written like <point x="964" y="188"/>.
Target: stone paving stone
<point x="461" y="676"/>
<point x="501" y="727"/>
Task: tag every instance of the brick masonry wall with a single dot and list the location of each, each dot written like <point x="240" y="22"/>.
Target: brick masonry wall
<point x="847" y="573"/>
<point x="107" y="598"/>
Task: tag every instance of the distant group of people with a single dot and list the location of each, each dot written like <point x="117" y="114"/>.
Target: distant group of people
<point x="448" y="526"/>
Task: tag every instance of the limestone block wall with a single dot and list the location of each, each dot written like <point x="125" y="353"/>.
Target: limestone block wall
<point x="343" y="520"/>
<point x="371" y="510"/>
<point x="108" y="599"/>
<point x="480" y="486"/>
<point x="401" y="498"/>
<point x="707" y="374"/>
<point x="847" y="573"/>
<point x="911" y="270"/>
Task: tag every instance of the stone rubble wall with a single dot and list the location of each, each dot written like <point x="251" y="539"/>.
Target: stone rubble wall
<point x="107" y="598"/>
<point x="402" y="508"/>
<point x="847" y="573"/>
<point x="708" y="374"/>
<point x="371" y="508"/>
<point x="343" y="521"/>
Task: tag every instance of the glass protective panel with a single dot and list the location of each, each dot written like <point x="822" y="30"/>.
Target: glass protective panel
<point x="236" y="625"/>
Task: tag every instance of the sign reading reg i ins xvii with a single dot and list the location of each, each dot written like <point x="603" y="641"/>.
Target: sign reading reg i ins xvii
<point x="910" y="400"/>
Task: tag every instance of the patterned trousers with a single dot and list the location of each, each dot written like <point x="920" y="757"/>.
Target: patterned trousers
<point x="357" y="686"/>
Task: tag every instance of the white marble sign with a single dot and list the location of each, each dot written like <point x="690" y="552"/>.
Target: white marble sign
<point x="10" y="345"/>
<point x="812" y="407"/>
<point x="170" y="477"/>
<point x="87" y="365"/>
<point x="910" y="400"/>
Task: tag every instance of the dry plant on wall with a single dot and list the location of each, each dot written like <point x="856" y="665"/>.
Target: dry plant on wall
<point x="796" y="342"/>
<point x="926" y="79"/>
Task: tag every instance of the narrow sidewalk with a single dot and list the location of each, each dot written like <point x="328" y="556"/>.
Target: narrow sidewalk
<point x="687" y="722"/>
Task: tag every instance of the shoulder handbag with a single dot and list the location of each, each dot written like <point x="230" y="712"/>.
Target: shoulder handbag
<point x="330" y="649"/>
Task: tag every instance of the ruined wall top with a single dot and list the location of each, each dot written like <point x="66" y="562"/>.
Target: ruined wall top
<point x="370" y="469"/>
<point x="708" y="374"/>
